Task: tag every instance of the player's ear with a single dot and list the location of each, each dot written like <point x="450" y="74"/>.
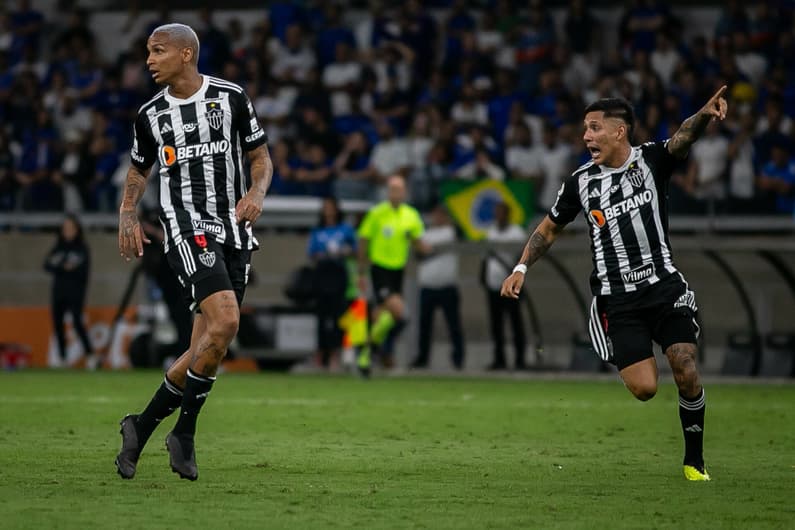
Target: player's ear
<point x="621" y="131"/>
<point x="187" y="55"/>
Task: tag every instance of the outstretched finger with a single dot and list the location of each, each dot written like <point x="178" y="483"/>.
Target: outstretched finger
<point x="137" y="243"/>
<point x="719" y="93"/>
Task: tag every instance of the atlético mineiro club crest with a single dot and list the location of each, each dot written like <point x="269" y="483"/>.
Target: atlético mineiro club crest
<point x="215" y="117"/>
<point x="207" y="258"/>
<point x="635" y="175"/>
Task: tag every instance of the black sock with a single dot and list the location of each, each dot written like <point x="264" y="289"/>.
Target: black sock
<point x="197" y="387"/>
<point x="691" y="412"/>
<point x="163" y="403"/>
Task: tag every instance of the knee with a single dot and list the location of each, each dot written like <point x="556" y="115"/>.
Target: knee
<point x="643" y="391"/>
<point x="394" y="304"/>
<point x="223" y="329"/>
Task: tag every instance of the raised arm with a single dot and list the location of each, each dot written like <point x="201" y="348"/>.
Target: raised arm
<point x="249" y="207"/>
<point x="693" y="127"/>
<point x="131" y="236"/>
<point x="537" y="245"/>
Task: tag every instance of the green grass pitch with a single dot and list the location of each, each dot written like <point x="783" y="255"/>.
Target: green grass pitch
<point x="335" y="452"/>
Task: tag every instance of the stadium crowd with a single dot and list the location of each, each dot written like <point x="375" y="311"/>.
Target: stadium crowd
<point x="433" y="90"/>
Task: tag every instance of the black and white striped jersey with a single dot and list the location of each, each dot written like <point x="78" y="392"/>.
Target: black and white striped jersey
<point x="199" y="144"/>
<point x="627" y="215"/>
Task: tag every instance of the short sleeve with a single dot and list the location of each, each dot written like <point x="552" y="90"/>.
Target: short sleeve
<point x="417" y="227"/>
<point x="661" y="162"/>
<point x="567" y="206"/>
<point x="144" y="149"/>
<point x="251" y="134"/>
<point x="367" y="226"/>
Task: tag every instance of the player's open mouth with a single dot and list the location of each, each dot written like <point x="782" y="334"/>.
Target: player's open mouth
<point x="595" y="152"/>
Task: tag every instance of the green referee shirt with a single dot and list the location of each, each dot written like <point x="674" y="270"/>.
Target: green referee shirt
<point x="390" y="232"/>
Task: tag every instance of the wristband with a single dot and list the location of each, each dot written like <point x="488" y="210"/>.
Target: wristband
<point x="520" y="268"/>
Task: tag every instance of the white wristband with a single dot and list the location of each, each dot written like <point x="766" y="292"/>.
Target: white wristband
<point x="520" y="268"/>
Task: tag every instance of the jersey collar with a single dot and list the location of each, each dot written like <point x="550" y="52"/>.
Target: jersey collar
<point x="624" y="166"/>
<point x="195" y="97"/>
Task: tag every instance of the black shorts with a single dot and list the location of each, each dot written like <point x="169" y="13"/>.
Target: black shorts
<point x="626" y="324"/>
<point x="204" y="267"/>
<point x="386" y="282"/>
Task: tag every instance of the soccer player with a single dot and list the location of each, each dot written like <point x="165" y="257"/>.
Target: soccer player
<point x="197" y="128"/>
<point x="639" y="295"/>
<point x="386" y="234"/>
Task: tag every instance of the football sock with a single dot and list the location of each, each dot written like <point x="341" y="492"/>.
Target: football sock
<point x="691" y="413"/>
<point x="197" y="387"/>
<point x="163" y="403"/>
<point x="381" y="326"/>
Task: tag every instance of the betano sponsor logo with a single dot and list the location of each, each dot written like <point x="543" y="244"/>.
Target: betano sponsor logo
<point x="171" y="155"/>
<point x="600" y="217"/>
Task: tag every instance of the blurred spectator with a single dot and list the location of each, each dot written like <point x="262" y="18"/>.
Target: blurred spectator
<point x="355" y="175"/>
<point x="6" y="33"/>
<point x="274" y="107"/>
<point x="534" y="49"/>
<point x="770" y="128"/>
<point x="26" y="28"/>
<point x="70" y="119"/>
<point x="752" y="64"/>
<point x="426" y="177"/>
<point x="482" y="167"/>
<point x="664" y="59"/>
<point x="8" y="183"/>
<point x="331" y="244"/>
<point x="732" y="19"/>
<point x="215" y="50"/>
<point x="742" y="175"/>
<point x="313" y="170"/>
<point x="332" y="34"/>
<point x="640" y="24"/>
<point x="521" y="158"/>
<point x="496" y="267"/>
<point x="293" y="61"/>
<point x="579" y="27"/>
<point x="76" y="35"/>
<point x="778" y="176"/>
<point x="437" y="277"/>
<point x="391" y="154"/>
<point x="556" y="164"/>
<point x="340" y="77"/>
<point x="418" y="30"/>
<point x="41" y="192"/>
<point x="705" y="177"/>
<point x="69" y="263"/>
<point x="420" y="136"/>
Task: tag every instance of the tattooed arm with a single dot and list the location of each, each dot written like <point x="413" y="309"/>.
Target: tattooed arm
<point x="131" y="237"/>
<point x="249" y="207"/>
<point x="537" y="245"/>
<point x="692" y="128"/>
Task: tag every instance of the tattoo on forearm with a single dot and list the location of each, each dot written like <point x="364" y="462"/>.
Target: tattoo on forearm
<point x="690" y="131"/>
<point x="133" y="188"/>
<point x="261" y="168"/>
<point x="536" y="247"/>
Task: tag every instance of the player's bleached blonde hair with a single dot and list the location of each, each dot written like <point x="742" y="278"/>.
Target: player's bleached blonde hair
<point x="183" y="35"/>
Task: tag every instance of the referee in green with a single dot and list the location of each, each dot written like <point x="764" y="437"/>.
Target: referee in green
<point x="386" y="235"/>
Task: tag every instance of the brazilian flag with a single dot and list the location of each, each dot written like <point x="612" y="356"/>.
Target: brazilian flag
<point x="472" y="203"/>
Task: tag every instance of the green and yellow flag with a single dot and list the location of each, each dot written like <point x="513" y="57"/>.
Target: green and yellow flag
<point x="472" y="203"/>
